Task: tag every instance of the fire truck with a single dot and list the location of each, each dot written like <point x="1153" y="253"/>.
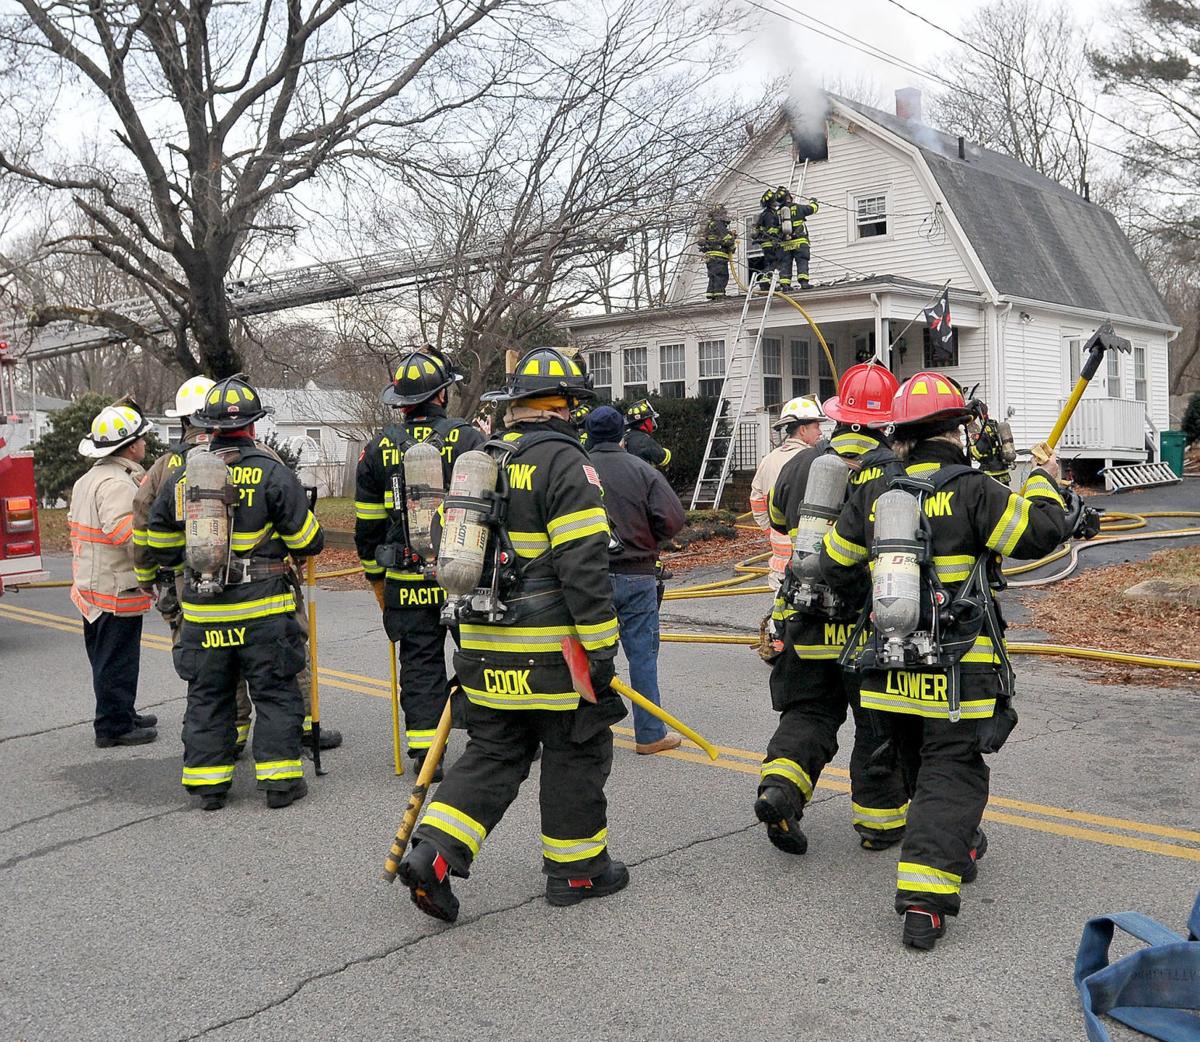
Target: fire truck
<point x="20" y="539"/>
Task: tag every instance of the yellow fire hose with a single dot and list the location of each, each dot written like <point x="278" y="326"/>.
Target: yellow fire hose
<point x="397" y="752"/>
<point x="417" y="800"/>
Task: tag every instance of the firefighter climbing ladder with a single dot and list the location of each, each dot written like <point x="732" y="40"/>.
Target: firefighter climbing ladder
<point x="722" y="435"/>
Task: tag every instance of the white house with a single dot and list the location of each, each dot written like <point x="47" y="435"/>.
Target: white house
<point x="1033" y="270"/>
<point x="30" y="418"/>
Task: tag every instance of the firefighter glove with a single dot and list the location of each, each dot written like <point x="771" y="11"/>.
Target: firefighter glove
<point x="602" y="672"/>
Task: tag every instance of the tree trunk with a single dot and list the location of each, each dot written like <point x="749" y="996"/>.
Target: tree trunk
<point x="211" y="326"/>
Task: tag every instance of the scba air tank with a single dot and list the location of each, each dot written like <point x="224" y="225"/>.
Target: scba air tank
<point x="424" y="489"/>
<point x="824" y="495"/>
<point x="464" y="533"/>
<point x="1008" y="448"/>
<point x="896" y="578"/>
<point x="206" y="519"/>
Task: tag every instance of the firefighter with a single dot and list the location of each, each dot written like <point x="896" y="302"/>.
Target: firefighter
<point x="964" y="672"/>
<point x="103" y="586"/>
<point x="512" y="668"/>
<point x="579" y="417"/>
<point x="794" y="250"/>
<point x="241" y="620"/>
<point x="767" y="232"/>
<point x="167" y="587"/>
<point x="717" y="244"/>
<point x="809" y="689"/>
<point x="986" y="443"/>
<point x="641" y="421"/>
<point x="800" y="422"/>
<point x="404" y="585"/>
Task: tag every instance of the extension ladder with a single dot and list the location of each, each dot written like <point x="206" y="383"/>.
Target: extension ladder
<point x="722" y="435"/>
<point x="1139" y="475"/>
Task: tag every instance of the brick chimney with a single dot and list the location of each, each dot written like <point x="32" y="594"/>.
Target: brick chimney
<point x="908" y="104"/>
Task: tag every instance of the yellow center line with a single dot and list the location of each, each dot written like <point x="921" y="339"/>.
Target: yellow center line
<point x="747" y="761"/>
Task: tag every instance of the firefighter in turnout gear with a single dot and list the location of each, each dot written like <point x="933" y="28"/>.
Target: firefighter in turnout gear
<point x="794" y="249"/>
<point x="238" y="602"/>
<point x="579" y="417"/>
<point x="932" y="662"/>
<point x="403" y="579"/>
<point x="169" y="586"/>
<point x="717" y="244"/>
<point x="800" y="422"/>
<point x="768" y="234"/>
<point x="545" y="579"/>
<point x="641" y="421"/>
<point x="987" y="445"/>
<point x="809" y="689"/>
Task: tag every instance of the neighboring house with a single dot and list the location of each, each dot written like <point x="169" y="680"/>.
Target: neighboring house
<point x="31" y="418"/>
<point x="325" y="428"/>
<point x="1033" y="270"/>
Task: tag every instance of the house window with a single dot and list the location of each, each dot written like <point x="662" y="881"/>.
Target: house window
<point x="633" y="372"/>
<point x="1074" y="347"/>
<point x="600" y="366"/>
<point x="712" y="367"/>
<point x="314" y="433"/>
<point x="937" y="356"/>
<point x="772" y="367"/>
<point x="671" y="373"/>
<point x="870" y="216"/>
<point x="827" y="387"/>
<point x="174" y="435"/>
<point x="1114" y="374"/>
<point x="1139" y="372"/>
<point x="801" y="380"/>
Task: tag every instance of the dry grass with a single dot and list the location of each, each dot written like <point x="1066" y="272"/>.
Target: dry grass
<point x="1091" y="611"/>
<point x="56" y="537"/>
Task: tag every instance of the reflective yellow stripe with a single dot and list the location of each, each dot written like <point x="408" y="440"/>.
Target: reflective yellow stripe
<point x="776" y="515"/>
<point x="529" y="544"/>
<point x="420" y="739"/>
<point x="278" y="770"/>
<point x="140" y="537"/>
<point x="370" y="566"/>
<point x="280" y="604"/>
<point x="243" y="541"/>
<point x="577" y="525"/>
<point x="953" y="568"/>
<point x="194" y="777"/>
<point x="406" y="577"/>
<point x="308" y="532"/>
<point x="926" y="879"/>
<point x="818" y="652"/>
<point x="1038" y="487"/>
<point x="597" y="635"/>
<point x="842" y="550"/>
<point x="560" y="700"/>
<point x="666" y="457"/>
<point x="790" y="770"/>
<point x="456" y="824"/>
<point x="1011" y="526"/>
<point x="922" y="468"/>
<point x="368" y="511"/>
<point x="157" y="537"/>
<point x="566" y="850"/>
<point x="307" y="725"/>
<point x="389" y="501"/>
<point x="879" y="817"/>
<point x="972" y="709"/>
<point x="983" y="650"/>
<point x="537" y="639"/>
<point x="851" y="444"/>
<point x="145" y="575"/>
<point x="243" y="733"/>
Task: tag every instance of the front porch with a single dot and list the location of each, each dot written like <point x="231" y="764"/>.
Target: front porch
<point x="1116" y="430"/>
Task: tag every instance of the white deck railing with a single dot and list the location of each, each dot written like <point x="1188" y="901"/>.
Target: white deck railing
<point x="1106" y="424"/>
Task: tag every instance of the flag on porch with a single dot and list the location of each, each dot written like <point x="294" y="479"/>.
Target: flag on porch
<point x="941" y="334"/>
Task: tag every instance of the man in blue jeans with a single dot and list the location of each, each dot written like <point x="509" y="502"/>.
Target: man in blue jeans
<point x="643" y="510"/>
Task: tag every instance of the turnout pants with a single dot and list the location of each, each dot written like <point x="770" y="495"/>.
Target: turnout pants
<point x="772" y="260"/>
<point x="796" y="260"/>
<point x="114" y="649"/>
<point x="718" y="276"/>
<point x="267" y="653"/>
<point x="421" y="649"/>
<point x="576" y="759"/>
<point x="812" y="697"/>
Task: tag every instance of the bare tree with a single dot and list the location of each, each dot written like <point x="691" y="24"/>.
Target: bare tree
<point x="203" y="119"/>
<point x="582" y="191"/>
<point x="1021" y="86"/>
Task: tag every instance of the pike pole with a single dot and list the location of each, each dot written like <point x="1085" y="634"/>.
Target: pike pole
<point x="397" y="752"/>
<point x="310" y="572"/>
<point x="417" y="800"/>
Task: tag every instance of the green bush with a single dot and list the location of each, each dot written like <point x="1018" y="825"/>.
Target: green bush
<point x="57" y="464"/>
<point x="281" y="449"/>
<point x="1191" y="419"/>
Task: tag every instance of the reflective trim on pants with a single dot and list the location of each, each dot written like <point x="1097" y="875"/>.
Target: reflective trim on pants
<point x="880" y="817"/>
<point x="456" y="824"/>
<point x="926" y="879"/>
<point x="565" y="850"/>
<point x="419" y="740"/>
<point x="279" y="770"/>
<point x="790" y="770"/>
<point x="197" y="777"/>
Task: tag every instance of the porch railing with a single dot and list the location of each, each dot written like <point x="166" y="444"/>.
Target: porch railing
<point x="1106" y="423"/>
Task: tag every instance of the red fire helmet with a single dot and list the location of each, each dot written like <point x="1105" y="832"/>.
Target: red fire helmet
<point x="864" y="396"/>
<point x="925" y="398"/>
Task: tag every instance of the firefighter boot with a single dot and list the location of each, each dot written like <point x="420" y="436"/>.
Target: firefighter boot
<point x="213" y="800"/>
<point x="922" y="928"/>
<point x="563" y="892"/>
<point x="330" y="739"/>
<point x="419" y="762"/>
<point x="774" y="809"/>
<point x="279" y="798"/>
<point x="427" y="875"/>
<point x="978" y="849"/>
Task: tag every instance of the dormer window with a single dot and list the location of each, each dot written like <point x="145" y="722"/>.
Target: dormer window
<point x="870" y="216"/>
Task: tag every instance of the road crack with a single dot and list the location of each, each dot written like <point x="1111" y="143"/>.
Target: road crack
<point x="66" y="843"/>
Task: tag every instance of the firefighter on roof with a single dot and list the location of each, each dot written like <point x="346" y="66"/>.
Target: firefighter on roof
<point x="717" y="245"/>
<point x="542" y="578"/>
<point x="228" y="519"/>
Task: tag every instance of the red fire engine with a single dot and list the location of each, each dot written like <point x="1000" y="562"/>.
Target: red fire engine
<point x="20" y="540"/>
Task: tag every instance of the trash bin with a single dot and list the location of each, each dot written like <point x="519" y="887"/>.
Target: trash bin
<point x="1171" y="445"/>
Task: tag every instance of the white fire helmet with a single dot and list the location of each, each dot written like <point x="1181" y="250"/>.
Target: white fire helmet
<point x="190" y="396"/>
<point x="114" y="427"/>
<point x="799" y="410"/>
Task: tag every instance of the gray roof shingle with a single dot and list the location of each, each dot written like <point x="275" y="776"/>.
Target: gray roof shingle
<point x="1036" y="239"/>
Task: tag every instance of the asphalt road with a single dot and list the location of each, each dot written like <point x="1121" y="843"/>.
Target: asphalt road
<point x="128" y="914"/>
